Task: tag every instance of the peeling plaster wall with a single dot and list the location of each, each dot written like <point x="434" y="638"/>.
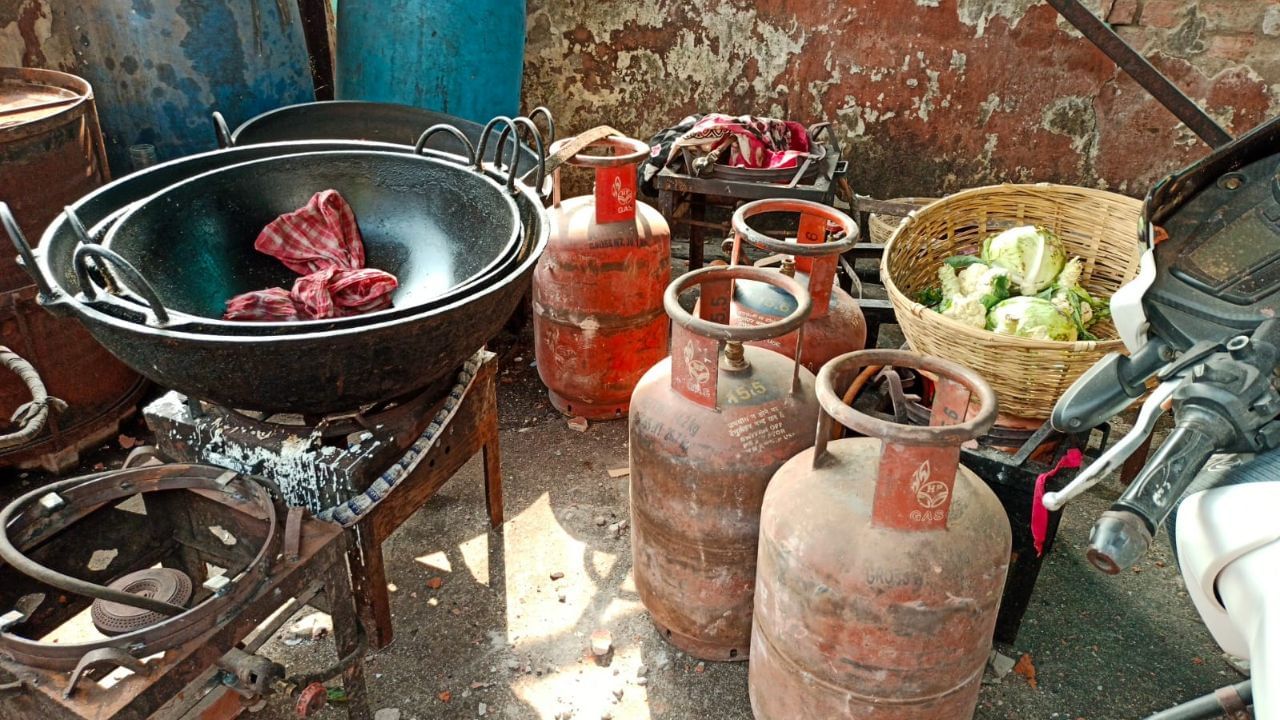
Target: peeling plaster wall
<point x="32" y="35"/>
<point x="929" y="96"/>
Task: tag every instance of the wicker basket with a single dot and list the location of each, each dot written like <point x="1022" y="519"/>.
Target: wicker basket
<point x="1028" y="375"/>
<point x="881" y="227"/>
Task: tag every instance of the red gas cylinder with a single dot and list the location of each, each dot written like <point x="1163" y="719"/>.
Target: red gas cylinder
<point x="597" y="291"/>
<point x="882" y="562"/>
<point x="836" y="325"/>
<point x="709" y="426"/>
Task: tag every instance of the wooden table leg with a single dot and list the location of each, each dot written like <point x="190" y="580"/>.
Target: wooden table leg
<point x="493" y="480"/>
<point x="490" y="445"/>
<point x="697" y="233"/>
<point x="369" y="585"/>
<point x="346" y="635"/>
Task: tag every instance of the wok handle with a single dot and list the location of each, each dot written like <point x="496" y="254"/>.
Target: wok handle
<point x="543" y="112"/>
<point x="80" y="262"/>
<point x="515" y="154"/>
<point x="457" y="135"/>
<point x="24" y="252"/>
<point x="541" y="169"/>
<point x="86" y="238"/>
<point x="221" y="131"/>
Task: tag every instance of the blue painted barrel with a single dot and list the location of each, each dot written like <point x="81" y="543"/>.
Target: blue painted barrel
<point x="160" y="67"/>
<point x="461" y="57"/>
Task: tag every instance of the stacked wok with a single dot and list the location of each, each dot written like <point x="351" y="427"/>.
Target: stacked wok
<point x="168" y="245"/>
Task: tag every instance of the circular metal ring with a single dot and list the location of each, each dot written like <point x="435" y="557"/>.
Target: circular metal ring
<point x="803" y="207"/>
<point x="637" y="151"/>
<point x="837" y="371"/>
<point x="790" y="323"/>
<point x="86" y="493"/>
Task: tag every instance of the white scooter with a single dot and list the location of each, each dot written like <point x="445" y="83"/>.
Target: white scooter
<point x="1203" y="319"/>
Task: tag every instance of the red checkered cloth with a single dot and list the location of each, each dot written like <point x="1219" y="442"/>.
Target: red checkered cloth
<point x="322" y="243"/>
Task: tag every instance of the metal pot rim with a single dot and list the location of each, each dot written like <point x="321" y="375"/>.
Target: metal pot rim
<point x="502" y="260"/>
<point x="91" y="316"/>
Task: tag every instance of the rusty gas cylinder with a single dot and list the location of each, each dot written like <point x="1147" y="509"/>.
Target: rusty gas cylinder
<point x="882" y="562"/>
<point x="836" y="325"/>
<point x="597" y="291"/>
<point x="709" y="426"/>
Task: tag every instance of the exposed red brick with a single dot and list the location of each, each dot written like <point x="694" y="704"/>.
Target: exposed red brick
<point x="1122" y="12"/>
<point x="1164" y="13"/>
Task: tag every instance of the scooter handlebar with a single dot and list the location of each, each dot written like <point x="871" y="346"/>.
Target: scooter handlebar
<point x="1123" y="534"/>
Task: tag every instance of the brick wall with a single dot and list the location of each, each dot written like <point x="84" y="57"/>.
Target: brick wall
<point x="929" y="95"/>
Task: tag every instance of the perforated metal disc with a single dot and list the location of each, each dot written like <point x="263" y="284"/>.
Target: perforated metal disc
<point x="164" y="584"/>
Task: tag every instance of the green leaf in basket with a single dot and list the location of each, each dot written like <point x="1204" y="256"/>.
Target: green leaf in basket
<point x="930" y="297"/>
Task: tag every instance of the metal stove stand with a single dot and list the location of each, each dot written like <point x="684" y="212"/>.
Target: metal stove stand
<point x="340" y="457"/>
<point x="212" y="675"/>
<point x="684" y="199"/>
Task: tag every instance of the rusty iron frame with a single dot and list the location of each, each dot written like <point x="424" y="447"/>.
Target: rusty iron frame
<point x="474" y="430"/>
<point x="1143" y="72"/>
<point x="187" y="674"/>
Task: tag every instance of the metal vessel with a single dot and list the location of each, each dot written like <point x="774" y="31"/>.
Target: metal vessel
<point x="597" y="293"/>
<point x="709" y="426"/>
<point x="359" y="365"/>
<point x="360" y="120"/>
<point x="160" y="66"/>
<point x="836" y="325"/>
<point x="51" y="154"/>
<point x="438" y="230"/>
<point x="882" y="561"/>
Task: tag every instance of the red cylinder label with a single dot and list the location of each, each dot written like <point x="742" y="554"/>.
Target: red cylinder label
<point x="694" y="365"/>
<point x="913" y="489"/>
<point x="615" y="194"/>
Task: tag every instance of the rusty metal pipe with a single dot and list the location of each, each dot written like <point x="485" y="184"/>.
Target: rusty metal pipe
<point x="1143" y="72"/>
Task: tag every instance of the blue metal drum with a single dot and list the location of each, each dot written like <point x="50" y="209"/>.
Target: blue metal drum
<point x="160" y="67"/>
<point x="461" y="57"/>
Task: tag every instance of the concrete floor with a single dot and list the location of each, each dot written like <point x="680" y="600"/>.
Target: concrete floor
<point x="500" y="631"/>
<point x="500" y="638"/>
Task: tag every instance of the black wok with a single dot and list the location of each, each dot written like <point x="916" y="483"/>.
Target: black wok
<point x="438" y="227"/>
<point x="360" y="120"/>
<point x="314" y="373"/>
<point x="375" y="122"/>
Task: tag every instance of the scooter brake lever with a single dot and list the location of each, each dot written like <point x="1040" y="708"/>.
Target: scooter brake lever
<point x="1114" y="457"/>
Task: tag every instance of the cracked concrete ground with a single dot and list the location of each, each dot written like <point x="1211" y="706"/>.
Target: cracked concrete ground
<point x="499" y="631"/>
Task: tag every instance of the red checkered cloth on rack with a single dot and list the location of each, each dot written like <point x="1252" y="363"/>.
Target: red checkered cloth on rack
<point x="322" y="243"/>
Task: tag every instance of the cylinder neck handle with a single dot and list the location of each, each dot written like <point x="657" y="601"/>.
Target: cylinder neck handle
<point x="917" y="466"/>
<point x="812" y="251"/>
<point x="697" y="342"/>
<point x="615" y="182"/>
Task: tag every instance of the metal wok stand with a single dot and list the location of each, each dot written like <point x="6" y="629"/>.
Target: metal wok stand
<point x="217" y="436"/>
<point x="215" y="674"/>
